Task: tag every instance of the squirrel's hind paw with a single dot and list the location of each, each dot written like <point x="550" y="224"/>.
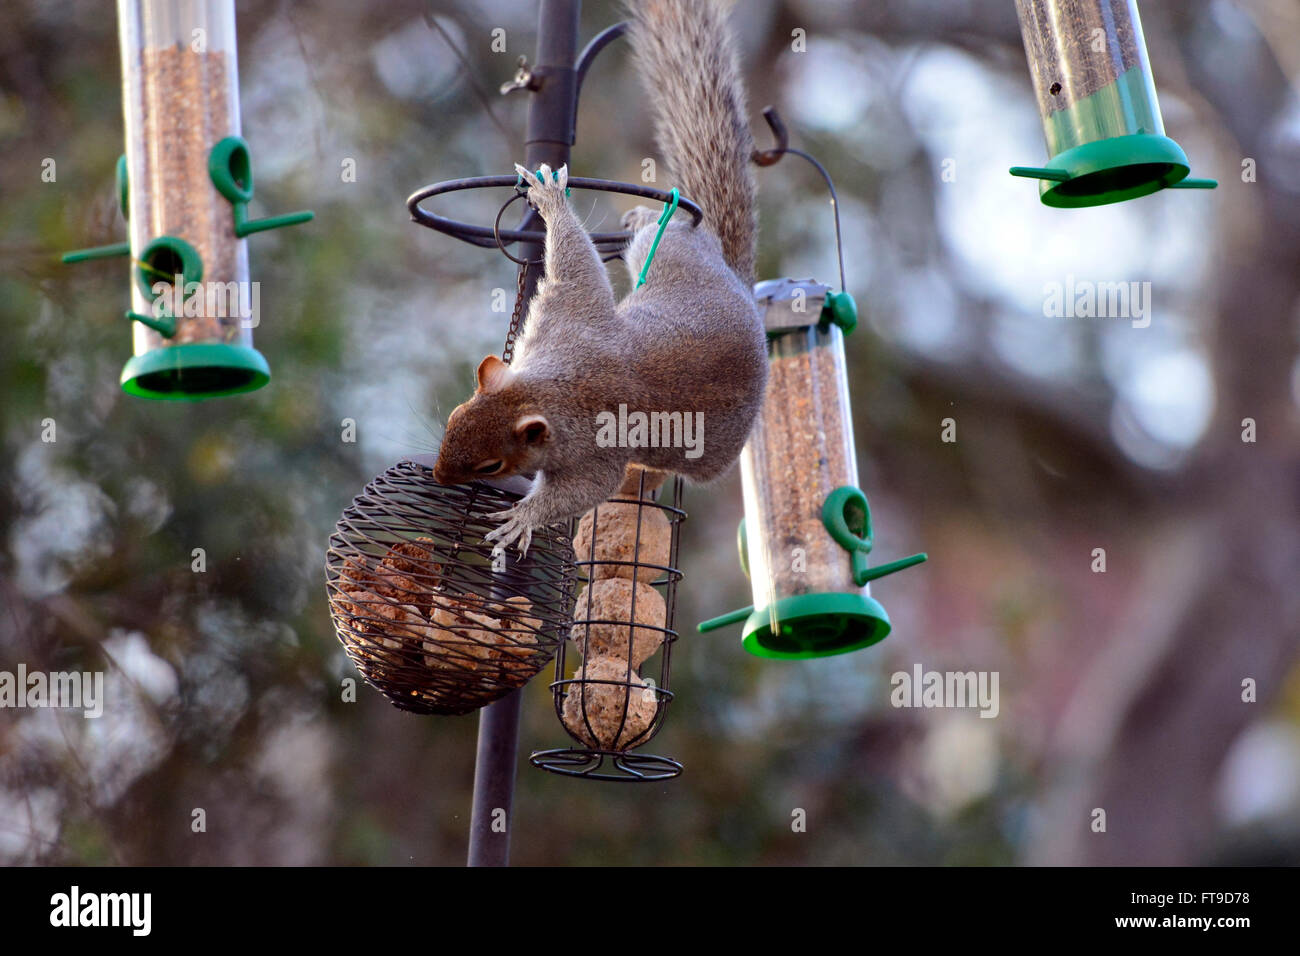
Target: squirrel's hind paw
<point x="546" y="189"/>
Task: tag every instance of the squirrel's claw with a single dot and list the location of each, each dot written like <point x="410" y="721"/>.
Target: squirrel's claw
<point x="515" y="530"/>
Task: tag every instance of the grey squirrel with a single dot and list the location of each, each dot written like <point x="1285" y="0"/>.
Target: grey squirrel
<point x="689" y="341"/>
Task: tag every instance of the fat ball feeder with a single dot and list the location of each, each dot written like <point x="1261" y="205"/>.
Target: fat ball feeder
<point x="807" y="532"/>
<point x="1101" y="118"/>
<point x="610" y="703"/>
<point x="183" y="186"/>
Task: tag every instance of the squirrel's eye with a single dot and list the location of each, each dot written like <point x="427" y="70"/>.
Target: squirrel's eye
<point x="489" y="467"/>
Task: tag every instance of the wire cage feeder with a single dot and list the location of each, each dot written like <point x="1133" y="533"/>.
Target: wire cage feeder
<point x="421" y="607"/>
<point x="626" y="554"/>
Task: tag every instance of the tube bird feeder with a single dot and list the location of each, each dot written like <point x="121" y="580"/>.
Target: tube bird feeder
<point x="1101" y="118"/>
<point x="807" y="529"/>
<point x="184" y="185"/>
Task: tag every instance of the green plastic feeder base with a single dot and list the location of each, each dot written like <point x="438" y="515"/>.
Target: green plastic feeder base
<point x="1113" y="170"/>
<point x="195" y="371"/>
<point x="816" y="625"/>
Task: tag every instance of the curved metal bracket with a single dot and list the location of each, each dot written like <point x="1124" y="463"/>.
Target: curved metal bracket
<point x="770" y="157"/>
<point x="489" y="237"/>
<point x="601" y="40"/>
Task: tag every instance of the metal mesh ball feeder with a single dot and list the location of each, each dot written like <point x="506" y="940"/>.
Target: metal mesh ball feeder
<point x="428" y="616"/>
<point x="626" y="555"/>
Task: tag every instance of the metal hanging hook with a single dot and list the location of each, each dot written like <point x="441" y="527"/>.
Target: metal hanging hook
<point x="770" y="157"/>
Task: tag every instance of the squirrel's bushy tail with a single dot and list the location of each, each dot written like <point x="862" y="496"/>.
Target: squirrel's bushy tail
<point x="688" y="65"/>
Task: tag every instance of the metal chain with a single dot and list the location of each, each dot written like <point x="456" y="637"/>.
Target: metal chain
<point x="508" y="351"/>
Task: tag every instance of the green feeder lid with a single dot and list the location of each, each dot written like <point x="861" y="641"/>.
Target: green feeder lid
<point x="816" y="625"/>
<point x="195" y="371"/>
<point x="1113" y="170"/>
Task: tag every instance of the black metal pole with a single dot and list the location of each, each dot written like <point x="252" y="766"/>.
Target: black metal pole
<point x="553" y="108"/>
<point x="494" y="781"/>
<point x="551" y="113"/>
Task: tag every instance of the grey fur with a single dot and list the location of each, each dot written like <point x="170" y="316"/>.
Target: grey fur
<point x="689" y="70"/>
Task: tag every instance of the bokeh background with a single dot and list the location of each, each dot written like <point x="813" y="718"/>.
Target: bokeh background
<point x="1120" y="690"/>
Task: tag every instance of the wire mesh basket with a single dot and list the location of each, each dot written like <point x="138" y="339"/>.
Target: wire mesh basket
<point x="423" y="609"/>
<point x="626" y="556"/>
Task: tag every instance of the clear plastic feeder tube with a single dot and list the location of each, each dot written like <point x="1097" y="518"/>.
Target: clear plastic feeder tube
<point x="180" y="92"/>
<point x="1089" y="64"/>
<point x="800" y="451"/>
<point x="807" y="534"/>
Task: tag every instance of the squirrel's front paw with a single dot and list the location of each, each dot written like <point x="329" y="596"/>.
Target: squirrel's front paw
<point x="517" y="527"/>
<point x="546" y="189"/>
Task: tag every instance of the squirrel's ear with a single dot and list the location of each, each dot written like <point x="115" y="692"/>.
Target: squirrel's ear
<point x="532" y="429"/>
<point x="493" y="374"/>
